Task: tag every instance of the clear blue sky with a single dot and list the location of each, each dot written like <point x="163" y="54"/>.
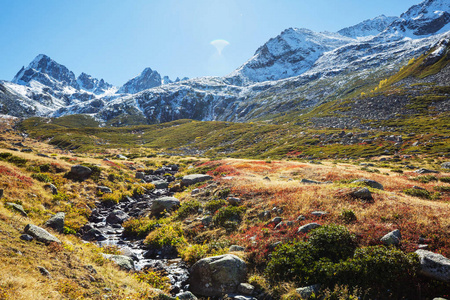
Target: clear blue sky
<point x="116" y="40"/>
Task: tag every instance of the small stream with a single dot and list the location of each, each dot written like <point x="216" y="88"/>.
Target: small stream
<point x="105" y="229"/>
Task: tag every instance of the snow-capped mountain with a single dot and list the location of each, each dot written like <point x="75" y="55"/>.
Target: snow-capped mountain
<point x="93" y="85"/>
<point x="295" y="70"/>
<point x="367" y="28"/>
<point x="146" y="80"/>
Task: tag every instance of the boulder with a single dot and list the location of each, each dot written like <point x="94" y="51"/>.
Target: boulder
<point x="80" y="172"/>
<point x="17" y="207"/>
<point x="234" y="248"/>
<point x="434" y="265"/>
<point x="122" y="261"/>
<point x="26" y="237"/>
<point x="446" y="165"/>
<point x="117" y="217"/>
<point x="104" y="189"/>
<point x="362" y="194"/>
<point x="92" y="234"/>
<point x="233" y="201"/>
<point x="308" y="227"/>
<point x="186" y="296"/>
<point x="309" y="181"/>
<point x="425" y="171"/>
<point x="164" y="204"/>
<point x="44" y="271"/>
<point x="41" y="234"/>
<point x="194" y="178"/>
<point x="319" y="213"/>
<point x="56" y="222"/>
<point x="307" y="291"/>
<point x="392" y="238"/>
<point x="217" y="275"/>
<point x="371" y="183"/>
<point x="246" y="288"/>
<point x="52" y="188"/>
<point x="161" y="184"/>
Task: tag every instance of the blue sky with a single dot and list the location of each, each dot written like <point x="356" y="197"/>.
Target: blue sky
<point x="116" y="40"/>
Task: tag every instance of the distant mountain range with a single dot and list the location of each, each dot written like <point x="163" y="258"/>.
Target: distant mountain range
<point x="295" y="70"/>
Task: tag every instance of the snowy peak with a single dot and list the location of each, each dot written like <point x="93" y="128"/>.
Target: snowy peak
<point x="291" y="53"/>
<point x="369" y="27"/>
<point x="146" y="80"/>
<point x="90" y="84"/>
<point x="46" y="71"/>
<point x="424" y="19"/>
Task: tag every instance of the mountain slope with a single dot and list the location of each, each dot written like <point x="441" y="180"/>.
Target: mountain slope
<point x="368" y="27"/>
<point x="146" y="80"/>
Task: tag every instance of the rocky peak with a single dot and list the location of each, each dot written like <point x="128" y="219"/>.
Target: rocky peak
<point x="88" y="83"/>
<point x="146" y="80"/>
<point x="368" y="27"/>
<point x="46" y="71"/>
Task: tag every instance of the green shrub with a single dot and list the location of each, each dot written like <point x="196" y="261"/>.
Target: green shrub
<point x="154" y="279"/>
<point x="332" y="242"/>
<point x="15" y="160"/>
<point x="141" y="227"/>
<point x="213" y="205"/>
<point x="443" y="189"/>
<point x="425" y="179"/>
<point x="188" y="208"/>
<point x="400" y="171"/>
<point x="5" y="155"/>
<point x="348" y="216"/>
<point x="168" y="235"/>
<point x="228" y="214"/>
<point x="445" y="179"/>
<point x="41" y="177"/>
<point x="224" y="193"/>
<point x="418" y="193"/>
<point x="139" y="191"/>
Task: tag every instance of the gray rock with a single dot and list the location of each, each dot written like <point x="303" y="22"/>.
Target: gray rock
<point x="306" y="292"/>
<point x="276" y="220"/>
<point x="41" y="234"/>
<point x="160" y="184"/>
<point x="194" y="178"/>
<point x="56" y="222"/>
<point x="186" y="296"/>
<point x="44" y="272"/>
<point x="120" y="156"/>
<point x="434" y="265"/>
<point x="234" y="201"/>
<point x="206" y="220"/>
<point x="362" y="194"/>
<point x="80" y="172"/>
<point x="139" y="175"/>
<point x="371" y="183"/>
<point x="26" y="237"/>
<point x="319" y="213"/>
<point x="425" y="171"/>
<point x="217" y="275"/>
<point x="308" y="227"/>
<point x="104" y="189"/>
<point x="301" y="218"/>
<point x="17" y="207"/>
<point x="164" y="204"/>
<point x="195" y="192"/>
<point x="308" y="181"/>
<point x="236" y="248"/>
<point x="117" y="217"/>
<point x="392" y="238"/>
<point x="52" y="188"/>
<point x="122" y="261"/>
<point x="266" y="178"/>
<point x="446" y="165"/>
<point x="246" y="289"/>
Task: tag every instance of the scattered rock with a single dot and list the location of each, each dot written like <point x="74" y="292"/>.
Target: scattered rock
<point x="266" y="178"/>
<point x="424" y="171"/>
<point x="371" y="183"/>
<point x="234" y="248"/>
<point x="217" y="275"/>
<point x="79" y="172"/>
<point x="160" y="184"/>
<point x="56" y="222"/>
<point x="104" y="189"/>
<point x="446" y="165"/>
<point x="304" y="180"/>
<point x="17" y="207"/>
<point x="26" y="237"/>
<point x="195" y="192"/>
<point x="139" y="175"/>
<point x="307" y="228"/>
<point x="117" y="217"/>
<point x="206" y="220"/>
<point x="92" y="234"/>
<point x="44" y="272"/>
<point x="392" y="238"/>
<point x="186" y="296"/>
<point x="434" y="265"/>
<point x="362" y="194"/>
<point x="194" y="178"/>
<point x="301" y="218"/>
<point x="120" y="156"/>
<point x="122" y="261"/>
<point x="306" y="292"/>
<point x="234" y="201"/>
<point x="276" y="220"/>
<point x="52" y="188"/>
<point x="246" y="289"/>
<point x="319" y="213"/>
<point x="41" y="234"/>
<point x="164" y="204"/>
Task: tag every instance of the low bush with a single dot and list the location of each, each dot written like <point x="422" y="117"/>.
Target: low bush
<point x="418" y="193"/>
<point x="41" y="177"/>
<point x="213" y="205"/>
<point x="445" y="179"/>
<point x="154" y="279"/>
<point x="348" y="216"/>
<point x="188" y="208"/>
<point x="443" y="189"/>
<point x="425" y="179"/>
<point x="141" y="227"/>
<point x="332" y="242"/>
<point x="168" y="235"/>
<point x="228" y="214"/>
<point x="15" y="160"/>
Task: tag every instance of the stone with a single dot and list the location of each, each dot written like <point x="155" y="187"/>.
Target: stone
<point x="44" y="271"/>
<point x="370" y="183"/>
<point x="104" y="189"/>
<point x="306" y="292"/>
<point x="17" y="207"/>
<point x="266" y="178"/>
<point x="217" y="275"/>
<point x="234" y="248"/>
<point x="425" y="171"/>
<point x="160" y="184"/>
<point x="246" y="289"/>
<point x="80" y="172"/>
<point x="26" y="237"/>
<point x="120" y="156"/>
<point x="434" y="265"/>
<point x="392" y="238"/>
<point x="276" y="220"/>
<point x="308" y="227"/>
<point x="117" y="217"/>
<point x="92" y="234"/>
<point x="164" y="204"/>
<point x="186" y="296"/>
<point x="195" y="192"/>
<point x="446" y="165"/>
<point x="308" y="181"/>
<point x="41" y="234"/>
<point x="56" y="222"/>
<point x="194" y="178"/>
<point x="139" y="175"/>
<point x="319" y="213"/>
<point x="122" y="261"/>
<point x="301" y="218"/>
<point x="362" y="194"/>
<point x="206" y="220"/>
<point x="52" y="188"/>
<point x="233" y="201"/>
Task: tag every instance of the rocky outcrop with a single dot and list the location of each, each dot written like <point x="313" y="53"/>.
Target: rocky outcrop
<point x="217" y="275"/>
<point x="434" y="265"/>
<point x="79" y="172"/>
<point x="41" y="234"/>
<point x="146" y="80"/>
<point x="56" y="222"/>
<point x="362" y="194"/>
<point x="117" y="217"/>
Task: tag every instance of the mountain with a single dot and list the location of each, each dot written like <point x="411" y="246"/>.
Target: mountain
<point x="367" y="28"/>
<point x="146" y="80"/>
<point x="98" y="87"/>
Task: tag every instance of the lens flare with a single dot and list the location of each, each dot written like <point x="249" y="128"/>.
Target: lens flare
<point x="219" y="45"/>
